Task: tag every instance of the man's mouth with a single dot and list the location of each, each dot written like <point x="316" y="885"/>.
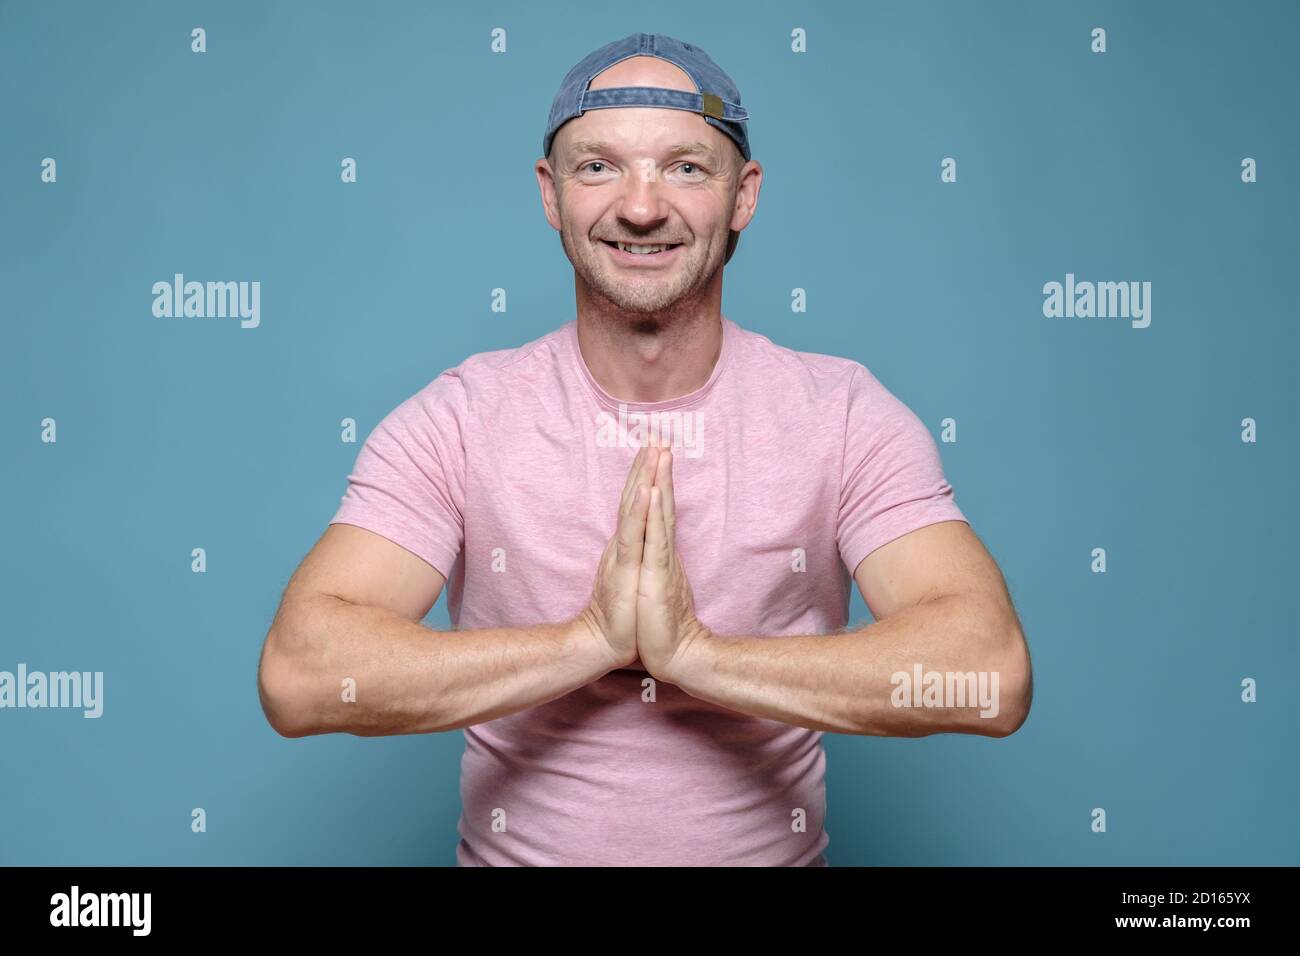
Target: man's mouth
<point x="642" y="249"/>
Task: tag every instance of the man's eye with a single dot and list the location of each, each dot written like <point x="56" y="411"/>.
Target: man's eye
<point x="594" y="162"/>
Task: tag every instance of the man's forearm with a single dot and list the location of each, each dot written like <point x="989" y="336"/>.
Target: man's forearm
<point x="330" y="666"/>
<point x="850" y="682"/>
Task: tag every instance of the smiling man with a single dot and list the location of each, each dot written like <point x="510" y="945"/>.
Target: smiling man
<point x="650" y="625"/>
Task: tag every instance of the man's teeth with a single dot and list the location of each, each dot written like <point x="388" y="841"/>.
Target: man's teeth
<point x="643" y="250"/>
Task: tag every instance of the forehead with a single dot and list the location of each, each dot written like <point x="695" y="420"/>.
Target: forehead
<point x="641" y="130"/>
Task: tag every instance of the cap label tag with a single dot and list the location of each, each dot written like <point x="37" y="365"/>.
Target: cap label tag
<point x="712" y="106"/>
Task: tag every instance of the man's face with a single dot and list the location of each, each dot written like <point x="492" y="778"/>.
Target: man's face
<point x="648" y="176"/>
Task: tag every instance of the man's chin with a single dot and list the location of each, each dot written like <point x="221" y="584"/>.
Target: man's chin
<point x="618" y="295"/>
<point x="641" y="306"/>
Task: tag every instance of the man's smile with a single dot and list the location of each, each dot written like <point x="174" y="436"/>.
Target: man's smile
<point x="666" y="254"/>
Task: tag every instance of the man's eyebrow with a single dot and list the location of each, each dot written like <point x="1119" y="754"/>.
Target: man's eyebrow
<point x="698" y="148"/>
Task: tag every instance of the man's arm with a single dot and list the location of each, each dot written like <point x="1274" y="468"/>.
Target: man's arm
<point x="941" y="607"/>
<point x="351" y="611"/>
<point x="346" y="652"/>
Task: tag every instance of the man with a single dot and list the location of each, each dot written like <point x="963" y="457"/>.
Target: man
<point x="647" y="520"/>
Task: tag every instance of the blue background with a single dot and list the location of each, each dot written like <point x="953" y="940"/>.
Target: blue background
<point x="1073" y="434"/>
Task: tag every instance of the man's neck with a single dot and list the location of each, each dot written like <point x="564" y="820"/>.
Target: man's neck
<point x="640" y="360"/>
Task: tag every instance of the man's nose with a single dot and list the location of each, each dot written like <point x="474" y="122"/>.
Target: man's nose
<point x="642" y="200"/>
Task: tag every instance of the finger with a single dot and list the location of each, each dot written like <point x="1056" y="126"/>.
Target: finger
<point x="625" y="500"/>
<point x="631" y="529"/>
<point x="655" y="556"/>
<point x="643" y="470"/>
<point x="664" y="480"/>
<point x="651" y="464"/>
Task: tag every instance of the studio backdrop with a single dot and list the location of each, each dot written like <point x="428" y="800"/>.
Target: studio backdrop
<point x="1065" y="234"/>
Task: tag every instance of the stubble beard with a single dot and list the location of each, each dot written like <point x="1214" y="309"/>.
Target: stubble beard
<point x="649" y="298"/>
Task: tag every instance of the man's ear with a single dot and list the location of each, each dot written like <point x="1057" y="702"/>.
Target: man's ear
<point x="549" y="188"/>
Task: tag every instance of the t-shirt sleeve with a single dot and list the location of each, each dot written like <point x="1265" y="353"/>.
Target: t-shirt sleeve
<point x="893" y="480"/>
<point x="408" y="482"/>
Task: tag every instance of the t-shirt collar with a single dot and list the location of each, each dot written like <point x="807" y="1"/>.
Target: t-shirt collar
<point x="683" y="401"/>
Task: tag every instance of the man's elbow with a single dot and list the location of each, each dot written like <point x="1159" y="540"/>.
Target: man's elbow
<point x="277" y="685"/>
<point x="1015" y="688"/>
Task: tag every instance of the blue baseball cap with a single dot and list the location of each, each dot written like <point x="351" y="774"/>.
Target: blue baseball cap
<point x="716" y="99"/>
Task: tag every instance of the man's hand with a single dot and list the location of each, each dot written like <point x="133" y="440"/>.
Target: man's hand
<point x="611" y="615"/>
<point x="666" y="624"/>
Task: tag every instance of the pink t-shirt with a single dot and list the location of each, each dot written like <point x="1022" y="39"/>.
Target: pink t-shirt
<point x="505" y="473"/>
